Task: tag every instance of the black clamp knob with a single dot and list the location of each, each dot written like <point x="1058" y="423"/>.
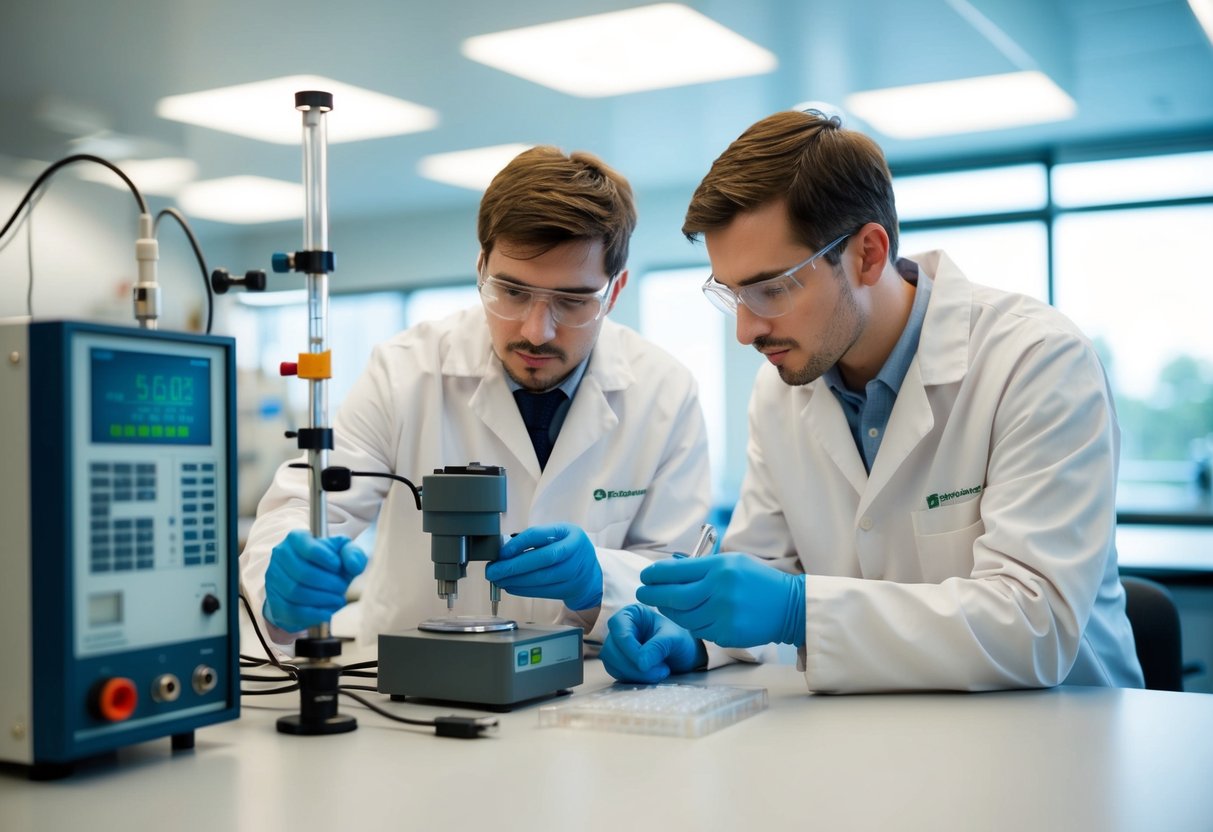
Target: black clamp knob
<point x="253" y="281"/>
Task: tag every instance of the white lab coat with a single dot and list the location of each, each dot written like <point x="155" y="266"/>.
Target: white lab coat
<point x="1010" y="578"/>
<point x="436" y="395"/>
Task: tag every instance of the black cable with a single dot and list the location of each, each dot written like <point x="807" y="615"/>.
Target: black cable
<point x="272" y="658"/>
<point x="49" y="172"/>
<point x="345" y="473"/>
<point x="185" y="226"/>
<point x="416" y="491"/>
<point x="287" y="689"/>
<point x="358" y="687"/>
<point x="29" y="260"/>
<point x="462" y="727"/>
<point x="362" y="674"/>
<point x="250" y="677"/>
<point x="362" y="665"/>
<point x="345" y="691"/>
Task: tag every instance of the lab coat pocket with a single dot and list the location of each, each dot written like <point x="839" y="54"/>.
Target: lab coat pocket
<point x="944" y="537"/>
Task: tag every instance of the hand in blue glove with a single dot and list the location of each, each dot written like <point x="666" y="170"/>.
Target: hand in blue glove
<point x="644" y="646"/>
<point x="728" y="599"/>
<point x="307" y="578"/>
<point x="556" y="561"/>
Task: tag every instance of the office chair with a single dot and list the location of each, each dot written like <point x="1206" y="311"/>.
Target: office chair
<point x="1155" y="622"/>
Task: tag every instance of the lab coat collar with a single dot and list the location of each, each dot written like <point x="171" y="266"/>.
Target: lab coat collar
<point x="943" y="348"/>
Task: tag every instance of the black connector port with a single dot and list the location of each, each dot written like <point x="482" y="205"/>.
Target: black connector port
<point x="463" y="727"/>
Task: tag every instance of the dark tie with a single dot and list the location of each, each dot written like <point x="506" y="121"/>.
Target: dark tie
<point x="537" y="410"/>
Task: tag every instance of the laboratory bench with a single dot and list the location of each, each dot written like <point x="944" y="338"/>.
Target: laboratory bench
<point x="1069" y="758"/>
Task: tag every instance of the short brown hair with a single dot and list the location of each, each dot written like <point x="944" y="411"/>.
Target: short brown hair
<point x="834" y="180"/>
<point x="543" y="198"/>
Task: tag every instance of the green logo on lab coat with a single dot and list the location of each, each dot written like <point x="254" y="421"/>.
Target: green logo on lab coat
<point x="603" y="494"/>
<point x="936" y="500"/>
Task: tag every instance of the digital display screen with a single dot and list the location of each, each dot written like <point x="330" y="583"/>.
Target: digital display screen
<point x="150" y="398"/>
<point x="105" y="609"/>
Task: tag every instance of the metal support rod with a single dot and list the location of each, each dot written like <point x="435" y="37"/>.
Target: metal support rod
<point x="315" y="238"/>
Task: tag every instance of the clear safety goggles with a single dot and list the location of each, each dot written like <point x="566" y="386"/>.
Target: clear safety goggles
<point x="768" y="298"/>
<point x="513" y="302"/>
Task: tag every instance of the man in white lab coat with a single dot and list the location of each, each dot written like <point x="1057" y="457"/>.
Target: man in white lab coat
<point x="929" y="500"/>
<point x="608" y="467"/>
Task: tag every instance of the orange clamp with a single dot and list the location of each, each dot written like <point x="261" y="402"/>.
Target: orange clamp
<point x="316" y="365"/>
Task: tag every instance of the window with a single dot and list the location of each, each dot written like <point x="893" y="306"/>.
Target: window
<point x="1118" y="181"/>
<point x="982" y="191"/>
<point x="1150" y="314"/>
<point x="1012" y="256"/>
<point x="438" y="302"/>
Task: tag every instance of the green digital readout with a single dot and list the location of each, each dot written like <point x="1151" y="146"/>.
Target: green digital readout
<point x="150" y="398"/>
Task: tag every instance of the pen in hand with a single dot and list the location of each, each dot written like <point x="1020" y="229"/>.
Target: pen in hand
<point x="706" y="542"/>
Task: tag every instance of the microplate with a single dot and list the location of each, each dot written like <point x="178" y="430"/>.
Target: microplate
<point x="670" y="710"/>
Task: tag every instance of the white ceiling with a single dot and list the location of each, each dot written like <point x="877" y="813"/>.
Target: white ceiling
<point x="1139" y="70"/>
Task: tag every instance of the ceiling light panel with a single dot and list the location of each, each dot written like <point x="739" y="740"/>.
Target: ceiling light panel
<point x="243" y="200"/>
<point x="265" y="110"/>
<point x="968" y="105"/>
<point x="163" y="177"/>
<point x="472" y="169"/>
<point x="647" y="48"/>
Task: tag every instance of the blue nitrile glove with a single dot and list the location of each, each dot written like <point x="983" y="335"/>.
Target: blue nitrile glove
<point x="728" y="599"/>
<point x="307" y="578"/>
<point x="556" y="561"/>
<point x="644" y="646"/>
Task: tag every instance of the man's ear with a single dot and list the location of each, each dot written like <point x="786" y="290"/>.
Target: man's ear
<point x="480" y="261"/>
<point x="871" y="247"/>
<point x="616" y="288"/>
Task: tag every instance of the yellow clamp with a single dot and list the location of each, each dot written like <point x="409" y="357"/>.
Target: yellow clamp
<point x="315" y="365"/>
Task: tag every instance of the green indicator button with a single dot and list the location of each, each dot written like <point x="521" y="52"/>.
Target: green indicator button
<point x="536" y="655"/>
<point x="145" y="430"/>
<point x="183" y="431"/>
<point x="157" y="430"/>
<point x="115" y="431"/>
<point x="128" y="430"/>
<point x="171" y="430"/>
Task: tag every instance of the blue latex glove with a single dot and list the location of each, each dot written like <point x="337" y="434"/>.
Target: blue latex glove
<point x="644" y="646"/>
<point x="307" y="579"/>
<point x="556" y="561"/>
<point x="728" y="599"/>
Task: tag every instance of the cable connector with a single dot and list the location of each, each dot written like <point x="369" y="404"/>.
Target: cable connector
<point x="146" y="291"/>
<point x="463" y="727"/>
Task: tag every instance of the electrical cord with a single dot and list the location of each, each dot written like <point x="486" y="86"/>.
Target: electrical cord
<point x="461" y="727"/>
<point x="50" y="171"/>
<point x="185" y="226"/>
<point x="340" y="479"/>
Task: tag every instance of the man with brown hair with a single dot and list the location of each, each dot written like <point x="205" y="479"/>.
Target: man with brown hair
<point x="929" y="500"/>
<point x="601" y="432"/>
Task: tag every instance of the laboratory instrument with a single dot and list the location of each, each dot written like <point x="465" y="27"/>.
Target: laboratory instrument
<point x="474" y="660"/>
<point x="118" y="606"/>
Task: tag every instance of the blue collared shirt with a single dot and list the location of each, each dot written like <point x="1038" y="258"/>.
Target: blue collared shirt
<point x="569" y="386"/>
<point x="868" y="410"/>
